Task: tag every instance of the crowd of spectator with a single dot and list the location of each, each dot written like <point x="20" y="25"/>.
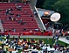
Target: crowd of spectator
<point x="30" y="45"/>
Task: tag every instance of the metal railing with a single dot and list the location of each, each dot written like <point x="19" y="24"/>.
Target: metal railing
<point x="43" y="27"/>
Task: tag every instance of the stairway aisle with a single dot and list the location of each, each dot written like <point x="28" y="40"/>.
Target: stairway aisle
<point x="42" y="28"/>
<point x="39" y="21"/>
<point x="1" y="27"/>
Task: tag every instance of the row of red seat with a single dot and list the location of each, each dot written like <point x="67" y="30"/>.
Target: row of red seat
<point x="30" y="33"/>
<point x="12" y="4"/>
<point x="9" y="24"/>
<point x="28" y="28"/>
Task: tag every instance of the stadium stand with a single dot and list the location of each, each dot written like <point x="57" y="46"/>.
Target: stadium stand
<point x="9" y="21"/>
<point x="18" y="18"/>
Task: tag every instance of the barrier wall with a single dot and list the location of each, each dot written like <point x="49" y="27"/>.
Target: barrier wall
<point x="47" y="33"/>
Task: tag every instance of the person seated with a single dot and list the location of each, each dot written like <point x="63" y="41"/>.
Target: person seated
<point x="18" y="8"/>
<point x="40" y="41"/>
<point x="31" y="15"/>
<point x="19" y="21"/>
<point x="18" y="15"/>
<point x="11" y="13"/>
<point x="13" y="37"/>
<point x="11" y="9"/>
<point x="23" y="23"/>
<point x="37" y="29"/>
<point x="2" y="21"/>
<point x="25" y="12"/>
<point x="25" y="40"/>
<point x="35" y="13"/>
<point x="2" y="51"/>
<point x="25" y="46"/>
<point x="8" y="36"/>
<point x="19" y="42"/>
<point x="0" y="38"/>
<point x="12" y="20"/>
<point x="24" y="29"/>
<point x="14" y="30"/>
<point x="24" y="1"/>
<point x="7" y="12"/>
<point x="16" y="19"/>
<point x="32" y="41"/>
<point x="15" y="40"/>
<point x="10" y="17"/>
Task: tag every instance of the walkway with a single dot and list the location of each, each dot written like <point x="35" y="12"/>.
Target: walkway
<point x="63" y="39"/>
<point x="30" y="36"/>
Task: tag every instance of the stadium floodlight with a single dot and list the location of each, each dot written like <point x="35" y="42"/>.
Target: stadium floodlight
<point x="55" y="17"/>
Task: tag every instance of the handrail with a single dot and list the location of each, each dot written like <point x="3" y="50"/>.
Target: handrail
<point x="44" y="28"/>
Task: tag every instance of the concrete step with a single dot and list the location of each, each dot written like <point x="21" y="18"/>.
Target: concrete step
<point x="1" y="27"/>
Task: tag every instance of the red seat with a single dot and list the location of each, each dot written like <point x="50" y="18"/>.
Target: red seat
<point x="9" y="24"/>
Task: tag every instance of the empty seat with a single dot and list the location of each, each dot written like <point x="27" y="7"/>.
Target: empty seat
<point x="9" y="24"/>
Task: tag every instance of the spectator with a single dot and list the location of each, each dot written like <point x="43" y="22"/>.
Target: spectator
<point x="24" y="1"/>
<point x="35" y="13"/>
<point x="8" y="36"/>
<point x="36" y="29"/>
<point x="10" y="17"/>
<point x="25" y="12"/>
<point x="24" y="29"/>
<point x="7" y="12"/>
<point x="18" y="15"/>
<point x="2" y="21"/>
<point x="11" y="13"/>
<point x="31" y="15"/>
<point x="18" y="8"/>
<point x="14" y="30"/>
<point x="16" y="19"/>
<point x="23" y="23"/>
<point x="11" y="9"/>
<point x="16" y="4"/>
<point x="20" y="21"/>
